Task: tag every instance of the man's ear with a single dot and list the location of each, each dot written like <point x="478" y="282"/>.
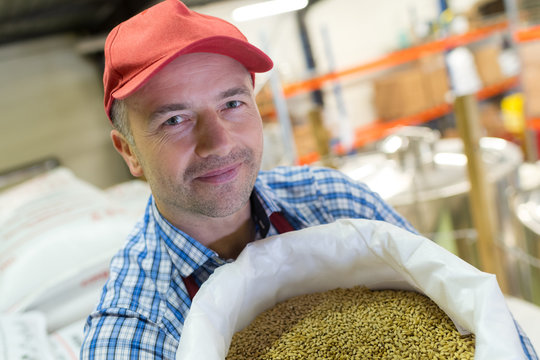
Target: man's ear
<point x="125" y="149"/>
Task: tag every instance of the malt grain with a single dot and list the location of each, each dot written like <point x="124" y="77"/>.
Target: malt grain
<point x="354" y="323"/>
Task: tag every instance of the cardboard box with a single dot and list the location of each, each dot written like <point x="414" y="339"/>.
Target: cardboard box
<point x="304" y="140"/>
<point x="485" y="12"/>
<point x="487" y="64"/>
<point x="530" y="78"/>
<point x="436" y="79"/>
<point x="529" y="53"/>
<point x="405" y="92"/>
<point x="401" y="93"/>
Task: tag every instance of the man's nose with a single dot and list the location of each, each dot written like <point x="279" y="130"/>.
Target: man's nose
<point x="213" y="135"/>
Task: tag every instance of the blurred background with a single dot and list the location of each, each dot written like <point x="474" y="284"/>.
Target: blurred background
<point x="358" y="69"/>
<point x="435" y="104"/>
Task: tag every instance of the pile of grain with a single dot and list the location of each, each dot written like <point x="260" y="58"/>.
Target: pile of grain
<point x="352" y="323"/>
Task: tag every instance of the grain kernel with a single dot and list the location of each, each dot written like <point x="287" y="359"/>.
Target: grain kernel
<point x="354" y="323"/>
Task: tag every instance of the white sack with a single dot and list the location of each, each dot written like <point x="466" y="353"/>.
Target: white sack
<point x="131" y="195"/>
<point x="23" y="336"/>
<point x="57" y="236"/>
<point x="344" y="254"/>
<point x="66" y="343"/>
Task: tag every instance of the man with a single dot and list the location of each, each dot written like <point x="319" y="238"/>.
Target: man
<point x="179" y="93"/>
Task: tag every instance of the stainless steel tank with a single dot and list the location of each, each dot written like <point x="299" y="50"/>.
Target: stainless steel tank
<point x="525" y="205"/>
<point x="425" y="179"/>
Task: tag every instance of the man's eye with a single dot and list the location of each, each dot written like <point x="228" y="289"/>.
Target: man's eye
<point x="233" y="104"/>
<point x="175" y="120"/>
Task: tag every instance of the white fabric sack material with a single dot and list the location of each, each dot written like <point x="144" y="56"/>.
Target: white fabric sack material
<point x="65" y="344"/>
<point x="131" y="195"/>
<point x="23" y="336"/>
<point x="344" y="254"/>
<point x="57" y="236"/>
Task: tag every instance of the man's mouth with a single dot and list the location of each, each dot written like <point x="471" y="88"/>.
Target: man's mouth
<point x="220" y="176"/>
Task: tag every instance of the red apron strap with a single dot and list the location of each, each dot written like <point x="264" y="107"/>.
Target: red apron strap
<point x="191" y="286"/>
<point x="280" y="223"/>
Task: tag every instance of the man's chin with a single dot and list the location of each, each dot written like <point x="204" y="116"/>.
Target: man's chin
<point x="220" y="208"/>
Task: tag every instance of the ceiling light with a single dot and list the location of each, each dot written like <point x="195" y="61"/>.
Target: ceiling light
<point x="267" y="8"/>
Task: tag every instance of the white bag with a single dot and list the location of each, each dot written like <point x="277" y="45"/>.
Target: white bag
<point x="58" y="234"/>
<point x="344" y="254"/>
<point x="23" y="337"/>
<point x="65" y="344"/>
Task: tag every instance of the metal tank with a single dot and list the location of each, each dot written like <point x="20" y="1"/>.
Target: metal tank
<point x="525" y="206"/>
<point x="425" y="178"/>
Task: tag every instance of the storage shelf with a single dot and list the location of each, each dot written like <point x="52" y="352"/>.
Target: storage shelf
<point x="533" y="124"/>
<point x="379" y="129"/>
<point x="499" y="88"/>
<point x="531" y="33"/>
<point x="524" y="35"/>
<point x="395" y="58"/>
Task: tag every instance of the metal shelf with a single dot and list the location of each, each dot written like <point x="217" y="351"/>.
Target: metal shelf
<point x="395" y="58"/>
<point x="378" y="129"/>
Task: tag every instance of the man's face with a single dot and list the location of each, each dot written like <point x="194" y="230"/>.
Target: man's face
<point x="198" y="136"/>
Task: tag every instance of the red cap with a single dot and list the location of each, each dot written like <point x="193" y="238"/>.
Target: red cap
<point x="138" y="48"/>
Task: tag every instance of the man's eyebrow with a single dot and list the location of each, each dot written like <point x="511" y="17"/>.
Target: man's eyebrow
<point x="167" y="108"/>
<point x="240" y="90"/>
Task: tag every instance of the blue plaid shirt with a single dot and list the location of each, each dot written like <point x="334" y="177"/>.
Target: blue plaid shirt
<point x="144" y="303"/>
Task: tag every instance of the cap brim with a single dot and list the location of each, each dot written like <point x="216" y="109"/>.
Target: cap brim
<point x="253" y="59"/>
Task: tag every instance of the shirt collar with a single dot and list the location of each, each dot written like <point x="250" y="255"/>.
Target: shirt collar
<point x="271" y="203"/>
<point x="267" y="198"/>
<point x="187" y="254"/>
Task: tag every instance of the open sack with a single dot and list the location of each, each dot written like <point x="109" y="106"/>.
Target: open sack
<point x="344" y="254"/>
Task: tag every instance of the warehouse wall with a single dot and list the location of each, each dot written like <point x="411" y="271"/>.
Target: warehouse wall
<point x="359" y="32"/>
<point x="51" y="105"/>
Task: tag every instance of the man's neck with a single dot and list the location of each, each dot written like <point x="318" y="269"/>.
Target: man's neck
<point x="229" y="246"/>
<point x="227" y="236"/>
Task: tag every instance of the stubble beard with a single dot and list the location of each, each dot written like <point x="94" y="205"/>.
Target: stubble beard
<point x="209" y="200"/>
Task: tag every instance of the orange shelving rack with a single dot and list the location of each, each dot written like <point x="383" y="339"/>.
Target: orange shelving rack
<point x="378" y="129"/>
<point x="394" y="58"/>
